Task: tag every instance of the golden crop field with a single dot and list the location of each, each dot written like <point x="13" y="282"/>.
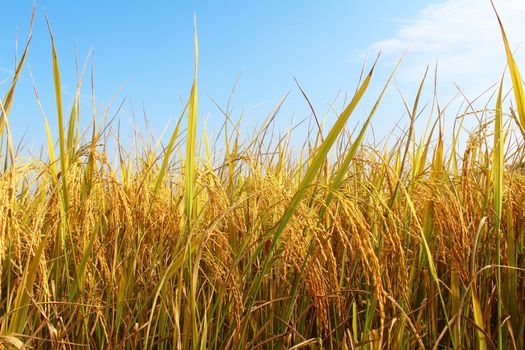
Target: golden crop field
<point x="415" y="244"/>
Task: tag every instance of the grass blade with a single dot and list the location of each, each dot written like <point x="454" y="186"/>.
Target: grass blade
<point x="517" y="83"/>
<point x="497" y="178"/>
<point x="317" y="162"/>
<point x="8" y="99"/>
<point x="191" y="142"/>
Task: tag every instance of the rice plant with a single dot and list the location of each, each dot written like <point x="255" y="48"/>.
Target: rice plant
<point x="340" y="243"/>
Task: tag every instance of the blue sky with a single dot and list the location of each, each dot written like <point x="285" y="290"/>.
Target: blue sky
<point x="144" y="53"/>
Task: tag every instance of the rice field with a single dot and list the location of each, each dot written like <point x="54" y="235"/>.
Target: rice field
<point x="342" y="244"/>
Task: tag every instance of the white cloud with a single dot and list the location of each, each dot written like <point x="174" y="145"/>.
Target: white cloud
<point x="463" y="36"/>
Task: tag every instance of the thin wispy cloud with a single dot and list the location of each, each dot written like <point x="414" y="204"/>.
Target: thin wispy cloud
<point x="462" y="36"/>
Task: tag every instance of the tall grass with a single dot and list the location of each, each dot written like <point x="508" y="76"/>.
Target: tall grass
<point x="341" y="244"/>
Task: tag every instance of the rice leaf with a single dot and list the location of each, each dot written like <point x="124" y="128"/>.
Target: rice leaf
<point x="18" y="318"/>
<point x="478" y="318"/>
<point x="167" y="153"/>
<point x="517" y="83"/>
<point x="191" y="141"/>
<point x="8" y="98"/>
<point x="343" y="168"/>
<point x="497" y="178"/>
<point x="317" y="162"/>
